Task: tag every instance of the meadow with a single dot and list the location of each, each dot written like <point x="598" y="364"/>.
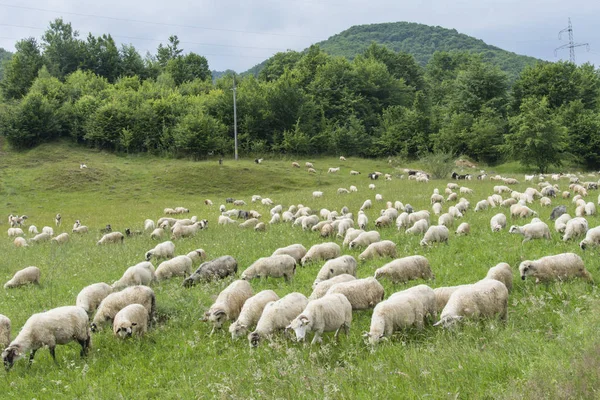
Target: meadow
<point x="548" y="349"/>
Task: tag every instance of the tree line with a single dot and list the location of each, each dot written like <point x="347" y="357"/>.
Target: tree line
<point x="381" y="103"/>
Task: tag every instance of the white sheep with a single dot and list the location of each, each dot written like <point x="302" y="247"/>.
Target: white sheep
<point x="181" y="231"/>
<point x="49" y="230"/>
<point x="590" y="208"/>
<point x="534" y="230"/>
<point x="197" y="255"/>
<point x="484" y="299"/>
<point x="20" y="242"/>
<point x="177" y="266"/>
<point x="251" y="312"/>
<point x="558" y="267"/>
<point x="274" y="266"/>
<point x="402" y="221"/>
<point x="341" y="265"/>
<point x="61" y="239"/>
<point x="317" y="194"/>
<point x="465" y="190"/>
<point x="498" y="222"/>
<point x="365" y="239"/>
<point x="405" y="269"/>
<point x="57" y="326"/>
<point x="91" y="296"/>
<point x="575" y="227"/>
<point x="161" y="250"/>
<point x="436" y="208"/>
<point x="112" y="237"/>
<point x="353" y="188"/>
<point x="249" y="223"/>
<point x="502" y="273"/>
<point x="481" y="205"/>
<point x="385" y="248"/>
<point x="366" y="205"/>
<point x="142" y="273"/>
<point x="288" y="216"/>
<point x="436" y="198"/>
<point x="362" y="220"/>
<point x="426" y="295"/>
<point x="397" y="313"/>
<point x="33" y="229"/>
<point x="228" y="305"/>
<point x="322" y="287"/>
<point x="446" y="219"/>
<point x="330" y="313"/>
<point x="463" y="229"/>
<point x="149" y="225"/>
<point x="521" y="211"/>
<point x="4" y="331"/>
<point x="295" y="250"/>
<point x="277" y="315"/>
<point x="80" y="229"/>
<point x="362" y="293"/>
<point x="131" y="320"/>
<point x="442" y="295"/>
<point x="560" y="225"/>
<point x="275" y="219"/>
<point x="225" y="220"/>
<point x="116" y="301"/>
<point x="455" y="212"/>
<point x="24" y="277"/>
<point x="435" y="233"/>
<point x="309" y="222"/>
<point x="592" y="238"/>
<point x="418" y="228"/>
<point x="323" y="251"/>
<point x="417" y="216"/>
<point x="41" y="237"/>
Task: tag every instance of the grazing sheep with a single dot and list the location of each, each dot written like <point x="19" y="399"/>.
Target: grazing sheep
<point x="592" y="238"/>
<point x="309" y="222"/>
<point x="140" y="274"/>
<point x="91" y="296"/>
<point x="418" y="228"/>
<point x="197" y="255"/>
<point x="295" y="250"/>
<point x="322" y="287"/>
<point x="366" y="205"/>
<point x="317" y="194"/>
<point x="326" y="230"/>
<point x="228" y="304"/>
<point x="24" y="277"/>
<point x="4" y="331"/>
<point x="426" y="295"/>
<point x="575" y="227"/>
<point x="218" y="268"/>
<point x="260" y="227"/>
<point x="116" y="301"/>
<point x="362" y="293"/>
<point x="161" y="250"/>
<point x="353" y="188"/>
<point x="273" y="266"/>
<point x="385" y="248"/>
<point x="295" y="165"/>
<point x="277" y="315"/>
<point x="181" y="231"/>
<point x="498" y="222"/>
<point x="48" y="230"/>
<point x="502" y="273"/>
<point x="435" y="233"/>
<point x="342" y="225"/>
<point x="446" y="219"/>
<point x="365" y="239"/>
<point x="558" y="267"/>
<point x="131" y="320"/>
<point x="251" y="312"/>
<point x="312" y="171"/>
<point x="57" y="326"/>
<point x="484" y="299"/>
<point x="149" y="225"/>
<point x="463" y="229"/>
<point x="80" y="229"/>
<point x="342" y="265"/>
<point x="397" y="313"/>
<point x="436" y="208"/>
<point x="113" y="237"/>
<point x="405" y="269"/>
<point x="442" y="295"/>
<point x="534" y="230"/>
<point x="372" y="186"/>
<point x="249" y="223"/>
<point x="225" y="220"/>
<point x="20" y="242"/>
<point x="363" y="220"/>
<point x="323" y="251"/>
<point x="177" y="266"/>
<point x="590" y="208"/>
<point x="521" y="211"/>
<point x="545" y="202"/>
<point x="452" y="197"/>
<point x="275" y="219"/>
<point x="436" y="198"/>
<point x="560" y="225"/>
<point x="481" y="205"/>
<point x="61" y="239"/>
<point x="41" y="237"/>
<point x="557" y="212"/>
<point x="330" y="313"/>
<point x="32" y="229"/>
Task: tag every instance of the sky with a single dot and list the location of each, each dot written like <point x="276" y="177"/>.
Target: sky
<point x="235" y="34"/>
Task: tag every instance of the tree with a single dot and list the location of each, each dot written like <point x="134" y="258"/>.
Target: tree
<point x="477" y="86"/>
<point x="168" y="52"/>
<point x="536" y="138"/>
<point x="132" y="63"/>
<point x="187" y="68"/>
<point x="275" y="66"/>
<point x="400" y="65"/>
<point x="63" y="52"/>
<point x="22" y="69"/>
<point x="583" y="127"/>
<point x="101" y="56"/>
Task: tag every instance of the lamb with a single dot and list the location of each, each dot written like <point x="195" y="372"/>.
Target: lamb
<point x="560" y="225"/>
<point x="260" y="227"/>
<point x="177" y="266"/>
<point x="57" y="326"/>
<point x="323" y="251"/>
<point x="41" y="237"/>
<point x="484" y="299"/>
<point x="362" y="293"/>
<point x="342" y="265"/>
<point x="330" y="313"/>
<point x="351" y="234"/>
<point x="113" y="237"/>
<point x="295" y="250"/>
<point x="385" y="248"/>
<point x="435" y="233"/>
<point x="557" y="212"/>
<point x="446" y="219"/>
<point x="140" y="274"/>
<point x="24" y="277"/>
<point x="463" y="229"/>
<point x="115" y="302"/>
<point x="592" y="237"/>
<point x="322" y="287"/>
<point x="396" y="313"/>
<point x="481" y="205"/>
<point x="342" y="225"/>
<point x="465" y="190"/>
<point x="575" y="227"/>
<point x="312" y="171"/>
<point x="251" y="312"/>
<point x="61" y="239"/>
<point x="277" y="315"/>
<point x="558" y="267"/>
<point x="419" y="227"/>
<point x="452" y="197"/>
<point x="91" y="296"/>
<point x="502" y="273"/>
<point x="181" y="210"/>
<point x="534" y="230"/>
<point x="287" y="216"/>
<point x="405" y="269"/>
<point x="161" y="250"/>
<point x="365" y="239"/>
<point x="4" y="331"/>
<point x="131" y="320"/>
<point x="308" y="165"/>
<point x="372" y="186"/>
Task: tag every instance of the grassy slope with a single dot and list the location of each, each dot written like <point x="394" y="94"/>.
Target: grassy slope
<point x="548" y="326"/>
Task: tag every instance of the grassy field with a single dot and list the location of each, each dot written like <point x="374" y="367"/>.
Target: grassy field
<point x="548" y="349"/>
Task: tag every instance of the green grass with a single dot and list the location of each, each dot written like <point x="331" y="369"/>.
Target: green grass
<point x="548" y="349"/>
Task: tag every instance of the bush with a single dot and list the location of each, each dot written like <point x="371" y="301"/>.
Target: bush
<point x="438" y="164"/>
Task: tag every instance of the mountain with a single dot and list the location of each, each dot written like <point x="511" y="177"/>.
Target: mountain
<point x="419" y="40"/>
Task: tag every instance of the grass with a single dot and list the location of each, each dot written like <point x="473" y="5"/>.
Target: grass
<point x="548" y="349"/>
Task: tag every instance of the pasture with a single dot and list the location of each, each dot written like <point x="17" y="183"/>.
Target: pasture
<point x="548" y="349"/>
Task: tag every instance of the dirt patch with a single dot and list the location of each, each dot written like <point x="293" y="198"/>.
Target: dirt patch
<point x="461" y="162"/>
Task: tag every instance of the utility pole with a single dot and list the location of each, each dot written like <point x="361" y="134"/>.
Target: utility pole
<point x="571" y="45"/>
<point x="235" y="121"/>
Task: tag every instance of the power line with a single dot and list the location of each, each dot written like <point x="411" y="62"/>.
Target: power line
<point x="571" y="45"/>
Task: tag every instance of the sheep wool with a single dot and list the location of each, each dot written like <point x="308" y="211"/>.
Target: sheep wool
<point x="161" y="250"/>
<point x="91" y="296"/>
<point x="110" y="238"/>
<point x="140" y="274"/>
<point x="115" y="302"/>
<point x="397" y="313"/>
<point x="177" y="266"/>
<point x="362" y="293"/>
<point x="218" y="268"/>
<point x="323" y="251"/>
<point x="251" y="312"/>
<point x="365" y="239"/>
<point x="24" y="277"/>
<point x="131" y="320"/>
<point x="435" y="233"/>
<point x="228" y="305"/>
<point x="559" y="267"/>
<point x="592" y="238"/>
<point x="273" y="266"/>
<point x="426" y="295"/>
<point x="405" y="269"/>
<point x="502" y="273"/>
<point x="385" y="248"/>
<point x="4" y="331"/>
<point x="330" y="313"/>
<point x="277" y="315"/>
<point x="341" y="265"/>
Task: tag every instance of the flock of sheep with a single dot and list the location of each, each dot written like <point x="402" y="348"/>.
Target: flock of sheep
<point x="129" y="304"/>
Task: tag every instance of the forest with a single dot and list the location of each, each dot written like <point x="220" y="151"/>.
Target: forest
<point x="378" y="103"/>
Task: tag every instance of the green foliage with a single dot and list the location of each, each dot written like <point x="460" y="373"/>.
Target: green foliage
<point x="22" y="69"/>
<point x="187" y="68"/>
<point x="583" y="126"/>
<point x="275" y="66"/>
<point x="63" y="51"/>
<point x="439" y="164"/>
<point x="5" y="57"/>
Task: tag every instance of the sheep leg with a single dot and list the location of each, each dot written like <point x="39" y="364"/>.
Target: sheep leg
<point x="53" y="354"/>
<point x="317" y="338"/>
<point x="31" y="355"/>
<point x="85" y="344"/>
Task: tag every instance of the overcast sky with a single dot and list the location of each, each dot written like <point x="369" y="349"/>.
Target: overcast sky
<point x="236" y="34"/>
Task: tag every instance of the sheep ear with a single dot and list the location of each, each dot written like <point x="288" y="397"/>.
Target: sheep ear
<point x="134" y="324"/>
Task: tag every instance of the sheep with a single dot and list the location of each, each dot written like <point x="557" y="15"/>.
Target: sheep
<point x="48" y="230"/>
<point x="362" y="293"/>
<point x="149" y="225"/>
<point x="317" y="194"/>
<point x="385" y="248"/>
<point x="197" y="255"/>
<point x="333" y="170"/>
<point x="575" y="227"/>
<point x="273" y="266"/>
<point x="326" y="230"/>
<point x="61" y="239"/>
<point x="452" y="197"/>
<point x="330" y="313"/>
<point x="177" y="266"/>
<point x="20" y="242"/>
<point x="372" y="186"/>
<point x="249" y="223"/>
<point x="498" y="222"/>
<point x="312" y="171"/>
<point x="366" y="205"/>
<point x="436" y="198"/>
<point x="426" y="295"/>
<point x="275" y="219"/>
<point x="161" y="250"/>
<point x="251" y="312"/>
<point x="140" y="274"/>
<point x="116" y="301"/>
<point x="402" y="221"/>
<point x="225" y="220"/>
<point x="24" y="277"/>
<point x="592" y="237"/>
<point x="446" y="219"/>
<point x="277" y="315"/>
<point x="560" y="225"/>
<point x="295" y="250"/>
<point x="81" y="229"/>
<point x="545" y="202"/>
<point x="113" y="237"/>
<point x="557" y="267"/>
<point x="442" y="295"/>
<point x="363" y="220"/>
<point x="308" y="165"/>
<point x="90" y="297"/>
<point x="181" y="210"/>
<point x="534" y="230"/>
<point x="131" y="320"/>
<point x="287" y="216"/>
<point x="181" y="231"/>
<point x="341" y="265"/>
<point x="260" y="227"/>
<point x="566" y="194"/>
<point x="353" y="189"/>
<point x="416" y="216"/>
<point x="309" y="222"/>
<point x="463" y="229"/>
<point x="519" y="210"/>
<point x="57" y="326"/>
<point x="295" y="165"/>
<point x="41" y="237"/>
<point x="580" y="210"/>
<point x="228" y="304"/>
<point x="353" y="172"/>
<point x="32" y="229"/>
<point x="321" y="288"/>
<point x="557" y="212"/>
<point x="435" y="233"/>
<point x="481" y="205"/>
<point x="484" y="299"/>
<point x="418" y="228"/>
<point x="396" y="313"/>
<point x="590" y="208"/>
<point x="405" y="269"/>
<point x="323" y="251"/>
<point x="239" y="203"/>
<point x="4" y="331"/>
<point x="266" y="201"/>
<point x="436" y="208"/>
